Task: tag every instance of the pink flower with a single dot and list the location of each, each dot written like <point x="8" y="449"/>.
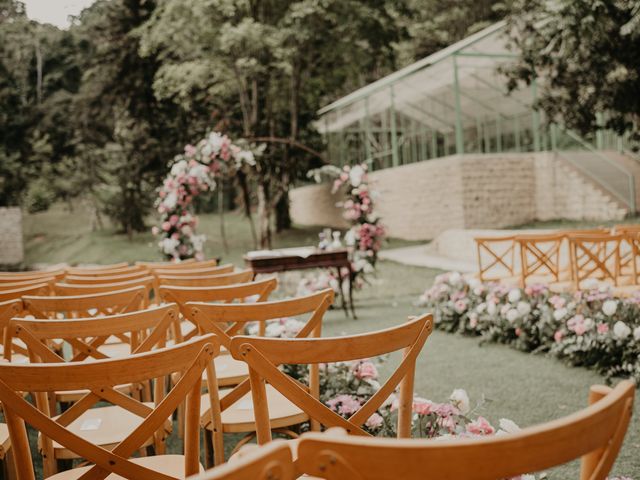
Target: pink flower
<point x="557" y="301"/>
<point x="602" y="328"/>
<point x="365" y="370"/>
<point x="558" y="336"/>
<point x="518" y="333"/>
<point x="480" y="426"/>
<point x="422" y="406"/>
<point x="344" y="404"/>
<point x="374" y="421"/>
<point x="446" y="410"/>
<point x="190" y="150"/>
<point x="166" y="226"/>
<point x="173" y="219"/>
<point x="155" y="230"/>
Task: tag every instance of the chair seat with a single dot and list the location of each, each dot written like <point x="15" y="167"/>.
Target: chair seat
<point x="229" y="371"/>
<point x="240" y="416"/>
<point x="5" y="441"/>
<point x="104" y="426"/>
<point x="171" y="465"/>
<point x="115" y="350"/>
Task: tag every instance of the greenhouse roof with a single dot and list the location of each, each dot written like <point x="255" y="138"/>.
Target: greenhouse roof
<point x="426" y="62"/>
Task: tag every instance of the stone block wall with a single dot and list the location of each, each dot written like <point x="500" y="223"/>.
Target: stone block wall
<point x="421" y="200"/>
<point x="11" y="247"/>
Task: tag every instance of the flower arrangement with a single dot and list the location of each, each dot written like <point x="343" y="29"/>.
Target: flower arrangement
<point x="365" y="236"/>
<point x="194" y="172"/>
<point x="588" y="328"/>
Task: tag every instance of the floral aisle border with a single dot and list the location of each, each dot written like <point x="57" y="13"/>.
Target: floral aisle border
<point x="589" y="328"/>
<point x="197" y="170"/>
<point x="346" y="386"/>
<point x="364" y="237"/>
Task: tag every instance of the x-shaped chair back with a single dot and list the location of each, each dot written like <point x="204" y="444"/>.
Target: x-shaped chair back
<point x="594" y="433"/>
<point x="177" y="272"/>
<point x="223" y="294"/>
<point x="100" y="377"/>
<point x="265" y="355"/>
<point x="12" y="277"/>
<point x="69" y="289"/>
<point x="89" y="305"/>
<point x="540" y="255"/>
<point x="267" y="462"/>
<point x="595" y="256"/>
<point x="496" y="257"/>
<point x="218" y="280"/>
<point x="142" y="331"/>
<point x="12" y="293"/>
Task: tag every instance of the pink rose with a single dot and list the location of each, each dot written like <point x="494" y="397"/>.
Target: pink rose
<point x="374" y="421"/>
<point x="173" y="219"/>
<point x="166" y="226"/>
<point x="422" y="406"/>
<point x="480" y="426"/>
<point x="365" y="370"/>
<point x="602" y="328"/>
<point x="558" y="336"/>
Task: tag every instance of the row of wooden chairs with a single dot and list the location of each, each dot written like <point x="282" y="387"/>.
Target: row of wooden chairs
<point x="169" y="353"/>
<point x="566" y="260"/>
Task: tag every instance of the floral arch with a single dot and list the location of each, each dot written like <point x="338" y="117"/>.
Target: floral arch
<point x="198" y="170"/>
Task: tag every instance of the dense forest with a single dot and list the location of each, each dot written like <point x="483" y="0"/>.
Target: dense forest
<point x="98" y="110"/>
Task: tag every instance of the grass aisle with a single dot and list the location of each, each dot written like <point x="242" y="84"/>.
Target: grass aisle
<point x="526" y="388"/>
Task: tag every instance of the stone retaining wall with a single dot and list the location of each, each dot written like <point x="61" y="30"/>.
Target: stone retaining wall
<point x="11" y="248"/>
<point x="420" y="200"/>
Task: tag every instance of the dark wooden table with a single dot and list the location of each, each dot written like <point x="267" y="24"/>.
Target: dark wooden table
<point x="287" y="259"/>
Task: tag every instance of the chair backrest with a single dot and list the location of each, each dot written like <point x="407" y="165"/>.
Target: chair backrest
<point x="27" y="283"/>
<point x="267" y="462"/>
<point x="186" y="265"/>
<point x="142" y="330"/>
<point x="540" y="255"/>
<point x="626" y="228"/>
<point x="8" y="310"/>
<point x="265" y="355"/>
<point x="100" y="377"/>
<point x="242" y="276"/>
<point x="67" y="289"/>
<point x="595" y="257"/>
<point x="496" y="257"/>
<point x="15" y="293"/>
<point x="595" y="433"/>
<point x="161" y="264"/>
<point x="98" y="268"/>
<point x="104" y="272"/>
<point x="195" y="271"/>
<point x="123" y="277"/>
<point x="91" y="305"/>
<point x="11" y="277"/>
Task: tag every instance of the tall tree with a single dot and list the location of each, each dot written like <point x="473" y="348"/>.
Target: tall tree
<point x="587" y="55"/>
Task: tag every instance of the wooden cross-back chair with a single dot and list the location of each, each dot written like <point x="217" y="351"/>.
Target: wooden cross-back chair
<point x="111" y="266"/>
<point x="162" y="264"/>
<point x="123" y="277"/>
<point x="91" y="305"/>
<point x="595" y="257"/>
<point x="202" y="264"/>
<point x="100" y="377"/>
<point x="229" y="268"/>
<point x="104" y="272"/>
<point x="227" y="294"/>
<point x="265" y="355"/>
<point x="27" y="283"/>
<point x="145" y="330"/>
<point x="540" y="257"/>
<point x="497" y="259"/>
<point x="43" y="288"/>
<point x="11" y="277"/>
<point x="17" y="351"/>
<point x="267" y="462"/>
<point x="218" y="280"/>
<point x="594" y="433"/>
<point x="148" y="283"/>
<point x="229" y="413"/>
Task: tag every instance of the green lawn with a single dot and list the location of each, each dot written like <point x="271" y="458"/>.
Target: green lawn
<point x="525" y="388"/>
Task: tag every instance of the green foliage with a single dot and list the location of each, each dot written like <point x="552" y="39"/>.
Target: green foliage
<point x="588" y="53"/>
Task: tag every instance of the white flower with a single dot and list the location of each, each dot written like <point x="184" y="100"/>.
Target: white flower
<point x="609" y="307"/>
<point x="247" y="157"/>
<point x="179" y="168"/>
<point x="508" y="426"/>
<point x="474" y="283"/>
<point x="514" y="295"/>
<point x="636" y="334"/>
<point x="559" y="314"/>
<point x="355" y="175"/>
<point x="491" y="308"/>
<point x="512" y="315"/>
<point x="460" y="399"/>
<point x="590" y="284"/>
<point x="171" y="200"/>
<point x="621" y="330"/>
<point x="454" y="278"/>
<point x="350" y="238"/>
<point x="523" y="308"/>
<point x="481" y="307"/>
<point x="589" y="323"/>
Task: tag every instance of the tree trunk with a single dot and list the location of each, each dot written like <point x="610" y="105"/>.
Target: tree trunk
<point x="264" y="215"/>
<point x="223" y="233"/>
<point x="283" y="217"/>
<point x="246" y="199"/>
